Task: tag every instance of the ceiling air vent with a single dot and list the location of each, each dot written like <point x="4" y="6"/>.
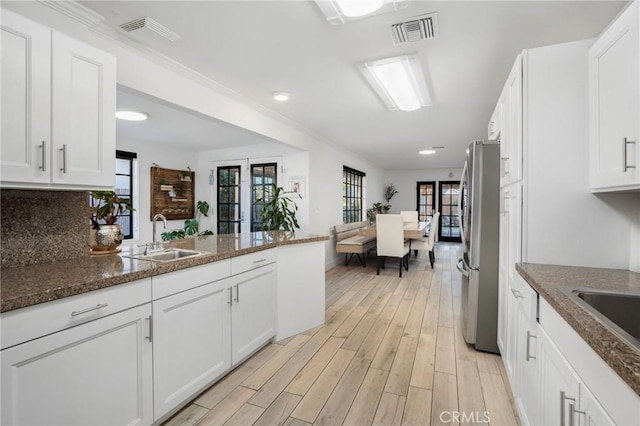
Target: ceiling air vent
<point x="142" y="28"/>
<point x="418" y="28"/>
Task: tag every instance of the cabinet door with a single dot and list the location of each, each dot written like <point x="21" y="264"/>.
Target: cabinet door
<point x="191" y="343"/>
<point x="98" y="373"/>
<point x="558" y="383"/>
<point x="253" y="319"/>
<point x="514" y="88"/>
<point x="514" y="211"/>
<point x="505" y="136"/>
<point x="83" y="121"/>
<point x="26" y="100"/>
<point x="503" y="277"/>
<point x="528" y="368"/>
<point x="614" y="74"/>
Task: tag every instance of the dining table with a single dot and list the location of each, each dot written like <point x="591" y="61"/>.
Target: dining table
<point x="411" y="230"/>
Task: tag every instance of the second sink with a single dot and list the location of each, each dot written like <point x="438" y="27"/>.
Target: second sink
<point x="168" y="255"/>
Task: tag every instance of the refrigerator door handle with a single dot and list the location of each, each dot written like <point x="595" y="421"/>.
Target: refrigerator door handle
<point x="461" y="268"/>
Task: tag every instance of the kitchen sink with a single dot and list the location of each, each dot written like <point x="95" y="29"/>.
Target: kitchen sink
<point x="168" y="255"/>
<point x="620" y="312"/>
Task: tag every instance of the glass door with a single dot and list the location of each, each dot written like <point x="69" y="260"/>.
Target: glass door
<point x="426" y="200"/>
<point x="263" y="177"/>
<point x="229" y="197"/>
<point x="449" y="194"/>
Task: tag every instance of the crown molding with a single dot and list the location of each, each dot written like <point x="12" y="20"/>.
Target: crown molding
<point x="75" y="11"/>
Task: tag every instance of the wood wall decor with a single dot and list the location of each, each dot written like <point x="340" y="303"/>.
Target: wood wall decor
<point x="172" y="193"/>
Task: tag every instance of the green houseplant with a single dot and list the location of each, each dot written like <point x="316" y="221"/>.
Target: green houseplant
<point x="191" y="226"/>
<point x="278" y="210"/>
<point x="106" y="206"/>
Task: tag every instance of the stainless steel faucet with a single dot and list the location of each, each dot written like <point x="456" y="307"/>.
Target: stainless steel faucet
<point x="156" y="245"/>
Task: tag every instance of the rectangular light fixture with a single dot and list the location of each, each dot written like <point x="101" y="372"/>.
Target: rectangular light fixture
<point x="342" y="11"/>
<point x="399" y="82"/>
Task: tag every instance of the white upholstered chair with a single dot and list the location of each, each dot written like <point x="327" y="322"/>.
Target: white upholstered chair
<point x="409" y="216"/>
<point x="390" y="240"/>
<point x="428" y="243"/>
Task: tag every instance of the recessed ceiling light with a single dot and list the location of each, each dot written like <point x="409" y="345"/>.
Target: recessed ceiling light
<point x="281" y="96"/>
<point x="343" y="11"/>
<point x="427" y="152"/>
<point x="131" y="115"/>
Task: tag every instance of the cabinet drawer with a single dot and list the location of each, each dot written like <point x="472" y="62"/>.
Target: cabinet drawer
<point x="39" y="320"/>
<point x="251" y="261"/>
<point x="186" y="279"/>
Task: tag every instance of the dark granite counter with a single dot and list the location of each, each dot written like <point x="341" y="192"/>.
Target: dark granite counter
<point x="30" y="285"/>
<point x="550" y="280"/>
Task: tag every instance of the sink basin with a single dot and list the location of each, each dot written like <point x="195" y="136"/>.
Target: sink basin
<point x="620" y="312"/>
<point x="168" y="255"/>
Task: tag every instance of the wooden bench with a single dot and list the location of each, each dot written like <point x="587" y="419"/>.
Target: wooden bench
<point x="350" y="242"/>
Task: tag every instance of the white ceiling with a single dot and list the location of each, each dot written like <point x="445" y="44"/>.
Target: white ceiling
<point x="173" y="126"/>
<point x="258" y="47"/>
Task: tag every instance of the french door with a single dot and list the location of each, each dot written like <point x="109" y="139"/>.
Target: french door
<point x="449" y="229"/>
<point x="242" y="187"/>
<point x="426" y="200"/>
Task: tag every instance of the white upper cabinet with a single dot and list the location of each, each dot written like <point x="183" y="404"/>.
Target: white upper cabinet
<point x="506" y="125"/>
<point x="84" y="105"/>
<point x="58" y="107"/>
<point x="614" y="84"/>
<point x="26" y="100"/>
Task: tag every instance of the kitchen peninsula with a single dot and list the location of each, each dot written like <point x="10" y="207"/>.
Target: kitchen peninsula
<point x="137" y="339"/>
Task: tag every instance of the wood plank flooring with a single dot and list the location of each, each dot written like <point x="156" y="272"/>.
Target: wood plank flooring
<point x="390" y="352"/>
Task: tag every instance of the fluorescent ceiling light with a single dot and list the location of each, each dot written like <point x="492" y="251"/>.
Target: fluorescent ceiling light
<point x="281" y="96"/>
<point x="131" y="115"/>
<point x="399" y="82"/>
<point x="427" y="152"/>
<point x="342" y="11"/>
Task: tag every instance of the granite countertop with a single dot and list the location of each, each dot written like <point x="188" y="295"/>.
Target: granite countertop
<point x="550" y="280"/>
<point x="25" y="286"/>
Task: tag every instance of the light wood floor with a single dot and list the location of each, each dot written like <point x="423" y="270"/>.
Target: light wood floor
<point x="391" y="352"/>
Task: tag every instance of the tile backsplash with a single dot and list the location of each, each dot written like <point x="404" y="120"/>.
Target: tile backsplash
<point x="43" y="226"/>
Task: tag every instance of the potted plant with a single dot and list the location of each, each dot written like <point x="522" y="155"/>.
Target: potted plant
<point x="105" y="235"/>
<point x="191" y="226"/>
<point x="278" y="210"/>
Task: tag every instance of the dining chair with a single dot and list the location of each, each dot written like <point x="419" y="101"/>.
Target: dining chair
<point x="409" y="215"/>
<point x="428" y="243"/>
<point x="390" y="241"/>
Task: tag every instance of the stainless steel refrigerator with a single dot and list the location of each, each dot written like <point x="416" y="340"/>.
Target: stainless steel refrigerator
<point x="479" y="218"/>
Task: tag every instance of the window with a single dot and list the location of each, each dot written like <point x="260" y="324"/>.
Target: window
<point x="352" y="195"/>
<point x="263" y="176"/>
<point x="228" y="200"/>
<point x="426" y="193"/>
<point x="125" y="162"/>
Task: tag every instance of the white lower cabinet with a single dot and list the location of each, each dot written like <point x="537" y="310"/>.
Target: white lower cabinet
<point x="98" y="373"/>
<point x="253" y="313"/>
<point x="191" y="343"/>
<point x="548" y="388"/>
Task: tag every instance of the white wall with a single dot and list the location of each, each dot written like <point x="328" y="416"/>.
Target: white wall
<point x="167" y="158"/>
<point x="405" y="182"/>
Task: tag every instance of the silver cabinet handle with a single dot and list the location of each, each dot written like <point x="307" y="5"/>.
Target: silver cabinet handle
<point x="625" y="144"/>
<point x="563" y="398"/>
<point x="259" y="260"/>
<point x="43" y="147"/>
<point x="94" y="308"/>
<point x="150" y="322"/>
<point x="505" y="198"/>
<point x="64" y="158"/>
<point x="237" y="293"/>
<point x="572" y="412"/>
<point x="230" y="302"/>
<point x="503" y="162"/>
<point x="529" y="336"/>
<point x="517" y="294"/>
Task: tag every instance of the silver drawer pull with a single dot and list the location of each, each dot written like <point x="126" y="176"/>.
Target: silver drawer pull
<point x="517" y="294"/>
<point x="64" y="158"/>
<point x="259" y="260"/>
<point x="529" y="336"/>
<point x="84" y="311"/>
